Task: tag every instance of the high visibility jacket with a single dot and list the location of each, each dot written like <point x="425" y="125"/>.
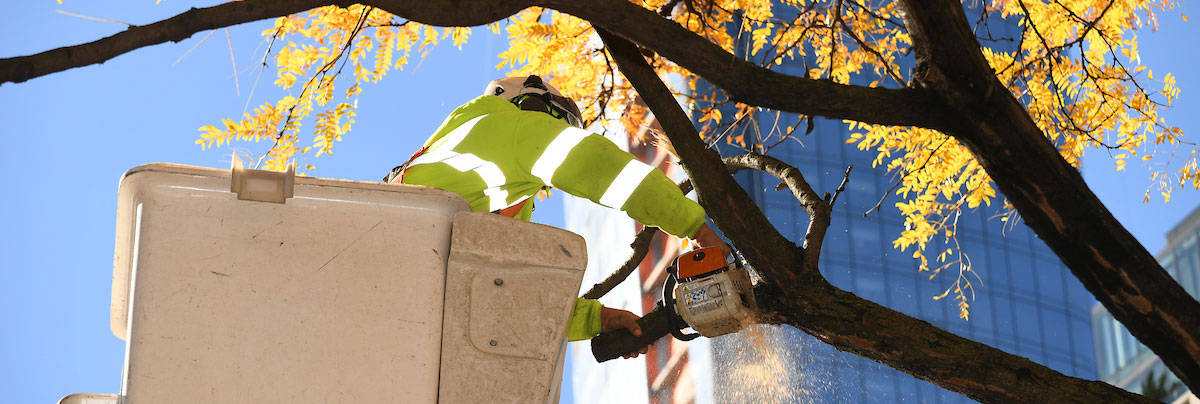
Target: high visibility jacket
<point x="496" y="156"/>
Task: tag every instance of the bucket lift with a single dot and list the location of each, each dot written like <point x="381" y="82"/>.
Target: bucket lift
<point x="264" y="287"/>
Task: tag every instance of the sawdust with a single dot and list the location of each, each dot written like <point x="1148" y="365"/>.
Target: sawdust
<point x="761" y="366"/>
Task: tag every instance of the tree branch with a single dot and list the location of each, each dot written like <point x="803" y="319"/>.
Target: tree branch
<point x="751" y="84"/>
<point x="641" y="246"/>
<point x="818" y="209"/>
<point x="183" y="26"/>
<point x="746" y="82"/>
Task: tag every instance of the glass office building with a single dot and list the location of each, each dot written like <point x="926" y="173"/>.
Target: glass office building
<point x="1122" y="360"/>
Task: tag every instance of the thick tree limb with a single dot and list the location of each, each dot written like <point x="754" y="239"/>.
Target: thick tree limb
<point x="174" y="29"/>
<point x="1051" y="195"/>
<point x="182" y="26"/>
<point x="746" y="82"/>
<point x="835" y="316"/>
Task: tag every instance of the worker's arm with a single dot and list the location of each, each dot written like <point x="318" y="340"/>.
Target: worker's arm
<point x="585" y="320"/>
<point x="589" y="166"/>
<point x="590" y="318"/>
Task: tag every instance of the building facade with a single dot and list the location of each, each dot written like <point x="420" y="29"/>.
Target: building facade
<point x="1122" y="360"/>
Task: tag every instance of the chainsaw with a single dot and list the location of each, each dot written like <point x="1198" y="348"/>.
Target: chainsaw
<point x="708" y="293"/>
<point x="703" y="291"/>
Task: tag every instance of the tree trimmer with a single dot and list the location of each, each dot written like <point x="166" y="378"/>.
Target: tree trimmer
<point x="702" y="290"/>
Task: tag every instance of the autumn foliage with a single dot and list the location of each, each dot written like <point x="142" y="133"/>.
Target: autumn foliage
<point x="1074" y="64"/>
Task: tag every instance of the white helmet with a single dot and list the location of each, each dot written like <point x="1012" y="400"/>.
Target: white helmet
<point x="531" y="94"/>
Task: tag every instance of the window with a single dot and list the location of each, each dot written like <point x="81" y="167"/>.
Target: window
<point x="868" y="284"/>
<point x="867" y="239"/>
<point x="1106" y="352"/>
<point x="1185" y="265"/>
<point x="1003" y="321"/>
<point x="1188" y="272"/>
<point x="1122" y="349"/>
<point x="1029" y="329"/>
<point x="903" y="284"/>
<point x="1057" y="330"/>
<point x="995" y="273"/>
<point x="1050" y="282"/>
<point x="1022" y="276"/>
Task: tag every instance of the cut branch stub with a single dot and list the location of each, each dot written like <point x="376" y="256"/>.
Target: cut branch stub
<point x="818" y="208"/>
<point x="641" y="246"/>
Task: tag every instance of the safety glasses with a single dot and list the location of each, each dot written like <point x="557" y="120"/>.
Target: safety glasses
<point x="557" y="106"/>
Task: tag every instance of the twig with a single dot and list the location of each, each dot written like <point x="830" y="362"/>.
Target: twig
<point x="93" y="18"/>
<point x="641" y="246"/>
<point x="262" y="68"/>
<point x="901" y="180"/>
<point x="237" y="87"/>
<point x="197" y="45"/>
<point x="879" y="205"/>
<point x="887" y="66"/>
<point x="841" y="187"/>
<point x="321" y="73"/>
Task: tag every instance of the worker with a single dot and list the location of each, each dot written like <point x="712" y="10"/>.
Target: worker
<point x="498" y="150"/>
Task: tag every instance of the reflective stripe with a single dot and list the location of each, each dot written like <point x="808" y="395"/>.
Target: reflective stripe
<point x="486" y="170"/>
<point x="497" y="199"/>
<point x="556" y="152"/>
<point x="457" y="135"/>
<point x="444" y="147"/>
<point x="628" y="180"/>
<point x="489" y="172"/>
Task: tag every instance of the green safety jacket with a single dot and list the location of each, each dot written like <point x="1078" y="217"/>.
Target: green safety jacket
<point x="497" y="156"/>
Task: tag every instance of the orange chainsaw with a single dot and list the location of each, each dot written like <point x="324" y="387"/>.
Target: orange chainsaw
<point x="703" y="290"/>
<point x="707" y="292"/>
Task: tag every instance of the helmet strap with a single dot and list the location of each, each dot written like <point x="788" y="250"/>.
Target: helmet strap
<point x="532" y="102"/>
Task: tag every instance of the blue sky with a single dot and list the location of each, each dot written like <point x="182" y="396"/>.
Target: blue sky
<point x="71" y="135"/>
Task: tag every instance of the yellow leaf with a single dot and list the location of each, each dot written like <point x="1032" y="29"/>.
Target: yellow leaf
<point x="1185" y="19"/>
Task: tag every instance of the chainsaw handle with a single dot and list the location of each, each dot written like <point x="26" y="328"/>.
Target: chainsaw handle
<point x="668" y="303"/>
<point x="617" y="343"/>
